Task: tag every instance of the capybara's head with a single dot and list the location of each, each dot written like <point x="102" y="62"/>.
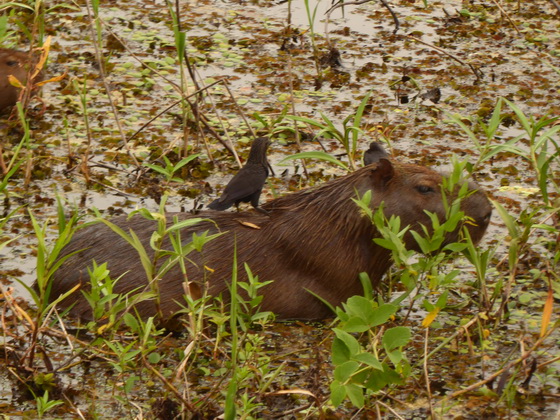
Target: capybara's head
<point x="409" y="191"/>
<point x="17" y="64"/>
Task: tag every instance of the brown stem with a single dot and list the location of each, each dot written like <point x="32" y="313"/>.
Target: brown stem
<point x="426" y="373"/>
<point x="511" y="364"/>
<point x="507" y="16"/>
<point x="169" y="386"/>
<point x="105" y="84"/>
<point x="176" y="87"/>
<point x="555" y="4"/>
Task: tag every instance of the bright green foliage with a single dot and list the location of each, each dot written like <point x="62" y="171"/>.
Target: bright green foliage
<point x="44" y="404"/>
<point x="169" y="170"/>
<point x="362" y="369"/>
<point x="366" y="369"/>
<point x="347" y="136"/>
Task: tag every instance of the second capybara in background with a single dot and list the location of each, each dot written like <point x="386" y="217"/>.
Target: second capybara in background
<point x="315" y="239"/>
<point x="15" y="63"/>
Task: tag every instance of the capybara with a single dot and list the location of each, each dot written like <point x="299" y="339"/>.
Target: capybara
<point x="16" y="63"/>
<point x="247" y="184"/>
<point x="315" y="239"/>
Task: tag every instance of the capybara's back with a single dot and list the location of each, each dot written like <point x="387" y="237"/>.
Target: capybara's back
<point x="314" y="239"/>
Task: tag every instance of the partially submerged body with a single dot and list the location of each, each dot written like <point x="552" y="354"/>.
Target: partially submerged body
<point x="314" y="239"/>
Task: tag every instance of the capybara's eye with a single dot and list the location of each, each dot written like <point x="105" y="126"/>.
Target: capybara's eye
<point x="12" y="63"/>
<point x="425" y="189"/>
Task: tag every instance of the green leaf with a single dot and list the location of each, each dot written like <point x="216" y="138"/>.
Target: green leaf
<point x="396" y="337"/>
<point x="508" y="220"/>
<point x="520" y="116"/>
<point x="369" y="359"/>
<point x="395" y="356"/>
<point x="186" y="223"/>
<point x="154" y="358"/>
<point x="381" y="314"/>
<point x="360" y="307"/>
<point x="355" y="324"/>
<point x="442" y="300"/>
<point x="309" y="121"/>
<point x="186" y="160"/>
<point x="135" y="242"/>
<point x="317" y="155"/>
<point x="366" y="285"/>
<point x="338" y="392"/>
<point x="230" y="409"/>
<point x="457" y="119"/>
<point x="356" y="395"/>
<point x="350" y="342"/>
<point x="344" y="371"/>
<point x="340" y="352"/>
<point x="358" y="119"/>
<point x="156" y="168"/>
<point x="131" y="322"/>
<point x="455" y="247"/>
<point x="378" y="380"/>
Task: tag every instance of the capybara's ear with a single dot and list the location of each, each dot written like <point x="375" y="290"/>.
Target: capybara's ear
<point x="382" y="173"/>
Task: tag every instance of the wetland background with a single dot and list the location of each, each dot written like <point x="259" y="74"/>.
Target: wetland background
<point x="483" y="343"/>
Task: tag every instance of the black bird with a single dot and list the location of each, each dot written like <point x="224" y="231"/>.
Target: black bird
<point x="247" y="184"/>
<point x="374" y="153"/>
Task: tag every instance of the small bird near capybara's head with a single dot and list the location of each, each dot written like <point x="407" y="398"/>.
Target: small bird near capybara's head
<point x="311" y="240"/>
<point x="374" y="153"/>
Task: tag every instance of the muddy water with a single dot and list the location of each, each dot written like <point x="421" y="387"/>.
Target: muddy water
<point x="242" y="41"/>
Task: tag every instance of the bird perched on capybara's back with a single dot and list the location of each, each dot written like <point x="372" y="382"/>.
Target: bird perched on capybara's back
<point x="315" y="240"/>
<point x="247" y="184"/>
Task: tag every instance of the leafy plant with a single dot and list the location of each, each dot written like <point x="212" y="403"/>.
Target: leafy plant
<point x="272" y="124"/>
<point x="44" y="404"/>
<point x="539" y="146"/>
<point x="170" y="169"/>
<point x="543" y="147"/>
<point x="9" y="171"/>
<point x="106" y="305"/>
<point x="347" y="136"/>
<point x="162" y="260"/>
<point x="48" y="262"/>
<point x="366" y="369"/>
<point x="360" y="369"/>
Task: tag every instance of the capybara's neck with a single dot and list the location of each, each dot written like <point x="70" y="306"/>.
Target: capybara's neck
<point x="322" y="228"/>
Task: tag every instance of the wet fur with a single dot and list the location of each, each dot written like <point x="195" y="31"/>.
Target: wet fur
<point x="315" y="239"/>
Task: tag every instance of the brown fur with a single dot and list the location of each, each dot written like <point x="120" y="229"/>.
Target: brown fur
<point x="16" y="63"/>
<point x="315" y="239"/>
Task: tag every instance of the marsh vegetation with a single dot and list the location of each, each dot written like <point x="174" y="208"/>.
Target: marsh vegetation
<point x="151" y="106"/>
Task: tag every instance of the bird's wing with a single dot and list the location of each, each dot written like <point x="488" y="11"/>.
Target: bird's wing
<point x="243" y="184"/>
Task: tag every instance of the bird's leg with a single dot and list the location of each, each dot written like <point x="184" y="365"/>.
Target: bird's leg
<point x="261" y="210"/>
